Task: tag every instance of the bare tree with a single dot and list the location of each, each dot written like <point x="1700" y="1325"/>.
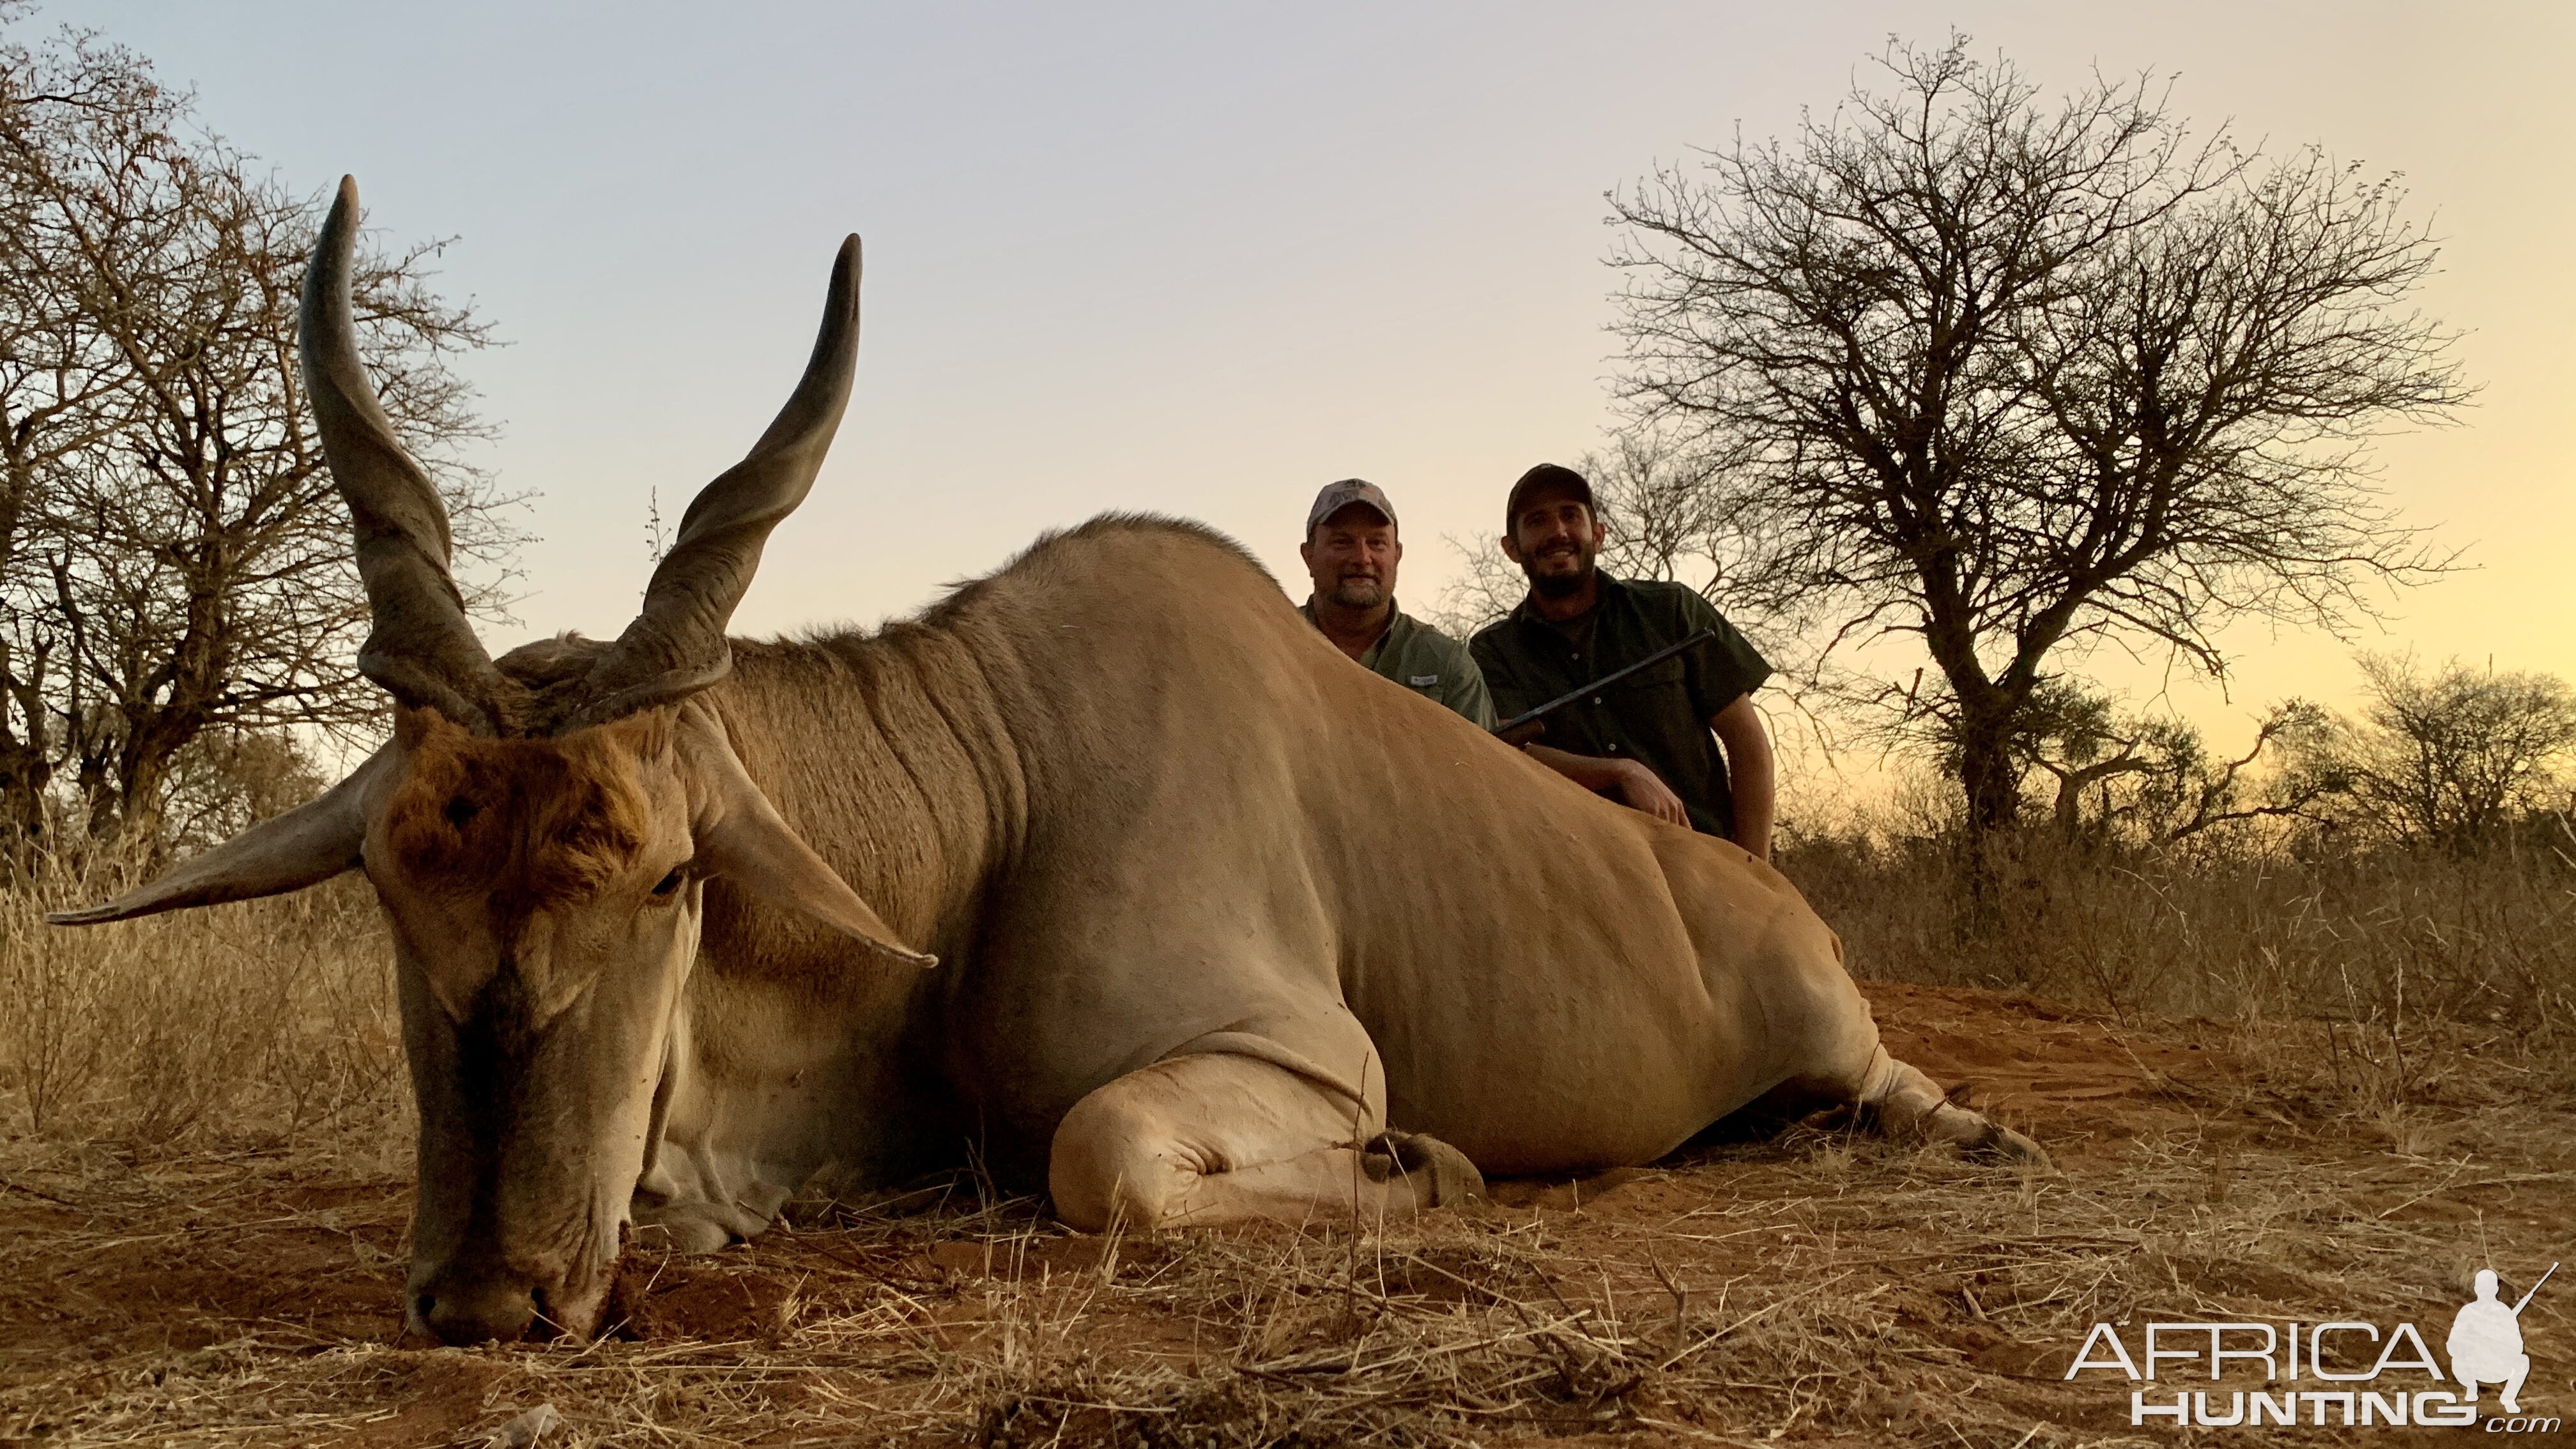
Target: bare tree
<point x="2008" y="375"/>
<point x="174" y="567"/>
<point x="56" y="401"/>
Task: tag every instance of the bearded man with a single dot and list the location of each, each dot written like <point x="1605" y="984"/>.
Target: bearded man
<point x="1351" y="552"/>
<point x="1652" y="740"/>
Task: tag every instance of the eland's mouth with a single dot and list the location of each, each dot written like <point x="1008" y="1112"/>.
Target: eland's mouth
<point x="505" y="1311"/>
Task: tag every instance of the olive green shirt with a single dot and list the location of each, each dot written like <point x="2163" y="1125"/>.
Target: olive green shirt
<point x="1660" y="716"/>
<point x="1428" y="662"/>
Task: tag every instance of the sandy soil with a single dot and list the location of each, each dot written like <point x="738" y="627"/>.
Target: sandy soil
<point x="1809" y="1286"/>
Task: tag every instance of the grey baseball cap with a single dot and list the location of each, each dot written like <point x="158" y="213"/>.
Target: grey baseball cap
<point x="1338" y="496"/>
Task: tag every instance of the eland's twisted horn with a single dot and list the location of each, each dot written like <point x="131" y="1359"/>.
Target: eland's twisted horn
<point x="422" y="649"/>
<point x="676" y="646"/>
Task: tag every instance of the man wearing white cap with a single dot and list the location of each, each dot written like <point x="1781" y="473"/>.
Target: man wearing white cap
<point x="1351" y="552"/>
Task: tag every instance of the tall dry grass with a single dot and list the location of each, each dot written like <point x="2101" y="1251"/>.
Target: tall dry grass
<point x="254" y="1024"/>
<point x="2251" y="930"/>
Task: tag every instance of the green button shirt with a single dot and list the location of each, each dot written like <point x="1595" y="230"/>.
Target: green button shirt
<point x="1660" y="716"/>
<point x="1428" y="662"/>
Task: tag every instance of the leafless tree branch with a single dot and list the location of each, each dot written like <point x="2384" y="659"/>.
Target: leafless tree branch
<point x="2003" y="373"/>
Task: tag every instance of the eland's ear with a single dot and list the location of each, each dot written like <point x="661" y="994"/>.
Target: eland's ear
<point x="305" y="846"/>
<point x="741" y="837"/>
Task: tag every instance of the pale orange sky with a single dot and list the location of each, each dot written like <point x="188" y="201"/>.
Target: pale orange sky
<point x="1203" y="260"/>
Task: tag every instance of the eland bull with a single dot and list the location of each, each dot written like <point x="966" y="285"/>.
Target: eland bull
<point x="1223" y="927"/>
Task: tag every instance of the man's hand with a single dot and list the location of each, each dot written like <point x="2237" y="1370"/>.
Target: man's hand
<point x="1627" y="781"/>
<point x="1639" y="788"/>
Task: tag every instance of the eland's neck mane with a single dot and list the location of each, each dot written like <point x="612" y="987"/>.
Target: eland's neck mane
<point x="909" y="759"/>
<point x="891" y="754"/>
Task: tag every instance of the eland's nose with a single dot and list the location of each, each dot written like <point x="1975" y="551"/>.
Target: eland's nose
<point x="475" y="1310"/>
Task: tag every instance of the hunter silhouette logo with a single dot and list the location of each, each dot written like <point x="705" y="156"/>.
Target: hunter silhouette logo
<point x="2345" y="1372"/>
<point x="2486" y="1342"/>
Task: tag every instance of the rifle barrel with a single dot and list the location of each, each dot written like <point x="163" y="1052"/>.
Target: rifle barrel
<point x="2526" y="1298"/>
<point x="1613" y="677"/>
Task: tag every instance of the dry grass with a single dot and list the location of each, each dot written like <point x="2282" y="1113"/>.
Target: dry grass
<point x="265" y="1023"/>
<point x="204" y="1195"/>
<point x="2385" y="939"/>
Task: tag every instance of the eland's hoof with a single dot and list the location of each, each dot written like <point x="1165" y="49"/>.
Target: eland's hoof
<point x="1454" y="1180"/>
<point x="2002" y="1144"/>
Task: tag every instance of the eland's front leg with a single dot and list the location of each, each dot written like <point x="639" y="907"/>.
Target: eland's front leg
<point x="1200" y="1141"/>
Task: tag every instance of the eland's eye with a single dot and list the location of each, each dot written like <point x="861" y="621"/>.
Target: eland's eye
<point x="670" y="883"/>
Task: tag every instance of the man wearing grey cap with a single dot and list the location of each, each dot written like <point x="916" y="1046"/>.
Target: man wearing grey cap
<point x="1351" y="552"/>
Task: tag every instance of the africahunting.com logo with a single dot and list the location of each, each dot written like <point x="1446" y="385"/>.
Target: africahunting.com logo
<point x="2484" y="1347"/>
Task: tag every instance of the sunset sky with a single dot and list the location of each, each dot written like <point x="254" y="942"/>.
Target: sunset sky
<point x="1204" y="259"/>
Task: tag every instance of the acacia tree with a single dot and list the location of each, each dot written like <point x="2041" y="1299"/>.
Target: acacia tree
<point x="2450" y="758"/>
<point x="175" y="571"/>
<point x="2007" y="375"/>
<point x="2112" y="777"/>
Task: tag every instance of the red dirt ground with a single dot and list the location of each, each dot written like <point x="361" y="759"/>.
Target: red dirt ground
<point x="2206" y="1171"/>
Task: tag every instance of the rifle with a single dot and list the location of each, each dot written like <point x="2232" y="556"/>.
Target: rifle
<point x="1528" y="725"/>
<point x="2526" y="1298"/>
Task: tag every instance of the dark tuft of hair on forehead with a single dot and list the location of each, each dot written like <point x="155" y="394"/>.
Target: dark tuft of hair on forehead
<point x="531" y="822"/>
